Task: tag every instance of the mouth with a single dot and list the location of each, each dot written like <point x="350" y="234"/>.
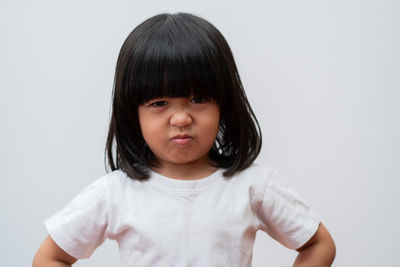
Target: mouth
<point x="181" y="139"/>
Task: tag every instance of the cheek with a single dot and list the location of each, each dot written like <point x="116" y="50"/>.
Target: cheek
<point x="147" y="121"/>
<point x="212" y="125"/>
<point x="151" y="131"/>
<point x="146" y="127"/>
<point x="215" y="118"/>
<point x="214" y="131"/>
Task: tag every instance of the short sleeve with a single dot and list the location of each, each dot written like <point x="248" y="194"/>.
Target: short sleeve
<point x="80" y="227"/>
<point x="285" y="216"/>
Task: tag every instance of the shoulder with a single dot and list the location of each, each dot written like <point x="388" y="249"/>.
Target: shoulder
<point x="101" y="186"/>
<point x="253" y="179"/>
<point x="115" y="181"/>
<point x="257" y="173"/>
<point x="116" y="176"/>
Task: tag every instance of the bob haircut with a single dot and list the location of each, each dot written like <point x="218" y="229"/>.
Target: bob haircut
<point x="179" y="55"/>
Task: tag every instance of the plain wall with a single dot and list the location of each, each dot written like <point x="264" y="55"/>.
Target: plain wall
<point x="322" y="77"/>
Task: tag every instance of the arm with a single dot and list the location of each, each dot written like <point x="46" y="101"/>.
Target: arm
<point x="50" y="254"/>
<point x="320" y="250"/>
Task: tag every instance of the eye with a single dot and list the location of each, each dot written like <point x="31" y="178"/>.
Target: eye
<point x="199" y="99"/>
<point x="159" y="103"/>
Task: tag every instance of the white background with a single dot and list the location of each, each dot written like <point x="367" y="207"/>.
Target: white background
<point x="322" y="76"/>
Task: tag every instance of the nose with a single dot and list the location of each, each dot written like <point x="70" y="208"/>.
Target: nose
<point x="180" y="119"/>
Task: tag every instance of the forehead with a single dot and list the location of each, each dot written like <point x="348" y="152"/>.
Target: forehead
<point x="175" y="75"/>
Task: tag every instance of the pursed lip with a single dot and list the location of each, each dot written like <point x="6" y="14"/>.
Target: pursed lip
<point x="181" y="139"/>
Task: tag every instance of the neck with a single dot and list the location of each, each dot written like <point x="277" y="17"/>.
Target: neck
<point x="187" y="171"/>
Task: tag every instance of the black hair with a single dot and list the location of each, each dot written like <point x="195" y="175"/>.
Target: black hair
<point x="178" y="55"/>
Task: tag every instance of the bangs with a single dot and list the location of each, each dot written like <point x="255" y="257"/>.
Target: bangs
<point x="174" y="63"/>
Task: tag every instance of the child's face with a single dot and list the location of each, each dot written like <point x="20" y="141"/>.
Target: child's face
<point x="180" y="131"/>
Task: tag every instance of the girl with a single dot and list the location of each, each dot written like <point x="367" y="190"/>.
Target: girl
<point x="183" y="190"/>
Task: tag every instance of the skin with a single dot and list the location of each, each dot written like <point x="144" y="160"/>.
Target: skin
<point x="162" y="119"/>
<point x="195" y="121"/>
<point x="50" y="254"/>
<point x="319" y="251"/>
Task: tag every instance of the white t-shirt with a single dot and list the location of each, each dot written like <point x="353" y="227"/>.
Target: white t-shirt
<point x="167" y="222"/>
